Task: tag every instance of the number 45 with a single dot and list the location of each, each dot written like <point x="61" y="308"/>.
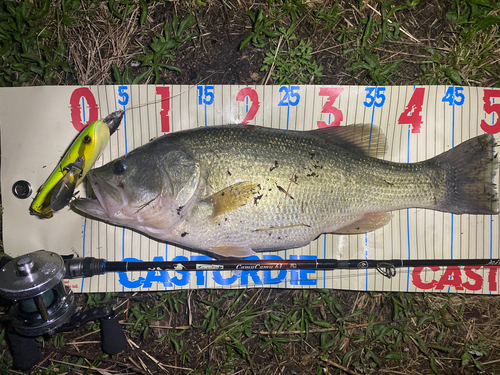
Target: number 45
<point x="454" y="95"/>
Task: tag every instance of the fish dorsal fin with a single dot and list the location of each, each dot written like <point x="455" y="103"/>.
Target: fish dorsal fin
<point x="232" y="197"/>
<point x="358" y="137"/>
<point x="368" y="223"/>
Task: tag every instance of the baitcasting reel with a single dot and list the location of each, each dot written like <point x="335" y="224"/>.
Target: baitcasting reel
<point x="43" y="305"/>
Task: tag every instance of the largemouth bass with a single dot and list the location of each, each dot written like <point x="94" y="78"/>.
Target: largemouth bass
<point x="232" y="190"/>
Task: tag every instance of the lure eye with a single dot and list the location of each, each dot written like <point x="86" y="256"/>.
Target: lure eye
<point x="86" y="139"/>
<point x="119" y="167"/>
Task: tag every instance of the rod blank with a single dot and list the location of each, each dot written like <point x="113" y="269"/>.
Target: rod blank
<point x="86" y="267"/>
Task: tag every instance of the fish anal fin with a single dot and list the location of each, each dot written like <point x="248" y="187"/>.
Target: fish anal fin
<point x="232" y="251"/>
<point x="361" y="137"/>
<point x="232" y="197"/>
<point x="368" y="223"/>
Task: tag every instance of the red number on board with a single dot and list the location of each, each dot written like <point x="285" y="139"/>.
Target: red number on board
<point x="412" y="114"/>
<point x="76" y="108"/>
<point x="254" y="98"/>
<point x="164" y="92"/>
<point x="332" y="93"/>
<point x="490" y="108"/>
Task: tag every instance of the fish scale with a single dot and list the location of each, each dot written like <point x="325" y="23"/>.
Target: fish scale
<point x="232" y="190"/>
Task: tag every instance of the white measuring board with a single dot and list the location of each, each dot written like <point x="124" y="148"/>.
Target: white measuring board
<point x="39" y="123"/>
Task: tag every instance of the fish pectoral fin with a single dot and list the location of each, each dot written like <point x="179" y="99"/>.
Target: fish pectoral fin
<point x="232" y="251"/>
<point x="363" y="138"/>
<point x="232" y="197"/>
<point x="368" y="223"/>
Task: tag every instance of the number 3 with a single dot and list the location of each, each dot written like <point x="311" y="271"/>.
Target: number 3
<point x="332" y="93"/>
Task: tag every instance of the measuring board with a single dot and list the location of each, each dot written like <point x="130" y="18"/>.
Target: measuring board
<point x="39" y="123"/>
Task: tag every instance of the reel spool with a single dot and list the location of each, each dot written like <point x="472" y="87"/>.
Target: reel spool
<point x="41" y="301"/>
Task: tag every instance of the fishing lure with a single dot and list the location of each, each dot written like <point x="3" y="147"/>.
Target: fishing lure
<point x="59" y="188"/>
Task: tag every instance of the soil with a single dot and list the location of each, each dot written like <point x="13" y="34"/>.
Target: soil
<point x="214" y="55"/>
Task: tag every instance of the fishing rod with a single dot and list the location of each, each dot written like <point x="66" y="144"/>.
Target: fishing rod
<point x="89" y="266"/>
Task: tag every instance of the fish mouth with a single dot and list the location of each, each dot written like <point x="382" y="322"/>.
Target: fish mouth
<point x="109" y="201"/>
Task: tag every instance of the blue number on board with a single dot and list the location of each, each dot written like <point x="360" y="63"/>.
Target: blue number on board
<point x="454" y="95"/>
<point x="291" y="97"/>
<point x="205" y="95"/>
<point x="374" y="96"/>
<point x="123" y="95"/>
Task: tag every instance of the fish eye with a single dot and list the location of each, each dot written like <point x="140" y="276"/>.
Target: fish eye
<point x="119" y="167"/>
<point x="87" y="139"/>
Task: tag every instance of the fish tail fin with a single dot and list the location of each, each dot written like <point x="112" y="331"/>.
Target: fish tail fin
<point x="470" y="169"/>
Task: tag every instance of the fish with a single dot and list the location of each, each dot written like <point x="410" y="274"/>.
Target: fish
<point x="56" y="192"/>
<point x="231" y="190"/>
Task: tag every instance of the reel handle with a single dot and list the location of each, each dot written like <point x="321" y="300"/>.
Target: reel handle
<point x="25" y="350"/>
<point x="113" y="338"/>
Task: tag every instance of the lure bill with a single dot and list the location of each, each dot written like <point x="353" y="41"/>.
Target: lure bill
<point x="60" y="186"/>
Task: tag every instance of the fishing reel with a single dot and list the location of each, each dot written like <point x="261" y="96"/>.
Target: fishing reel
<point x="42" y="305"/>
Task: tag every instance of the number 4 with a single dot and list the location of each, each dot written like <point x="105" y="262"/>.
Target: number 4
<point x="412" y="113"/>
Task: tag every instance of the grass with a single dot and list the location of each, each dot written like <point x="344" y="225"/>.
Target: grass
<point x="27" y="46"/>
<point x="280" y="42"/>
<point x="259" y="331"/>
<point x="366" y="42"/>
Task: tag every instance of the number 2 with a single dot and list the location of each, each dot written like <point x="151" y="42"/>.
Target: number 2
<point x="254" y="98"/>
<point x="489" y="108"/>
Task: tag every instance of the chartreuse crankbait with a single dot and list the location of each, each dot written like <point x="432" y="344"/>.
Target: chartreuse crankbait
<point x="57" y="191"/>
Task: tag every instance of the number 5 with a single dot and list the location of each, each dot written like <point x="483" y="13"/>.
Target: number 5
<point x="489" y="108"/>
